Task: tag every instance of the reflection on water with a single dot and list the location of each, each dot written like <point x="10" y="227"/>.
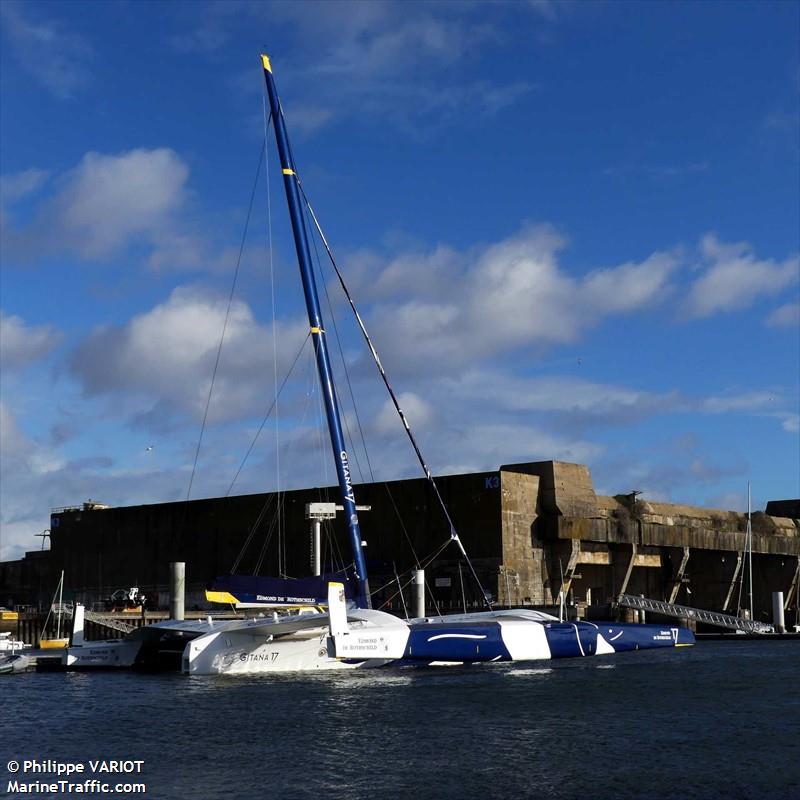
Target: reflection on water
<point x="715" y="721"/>
<point x="524" y="673"/>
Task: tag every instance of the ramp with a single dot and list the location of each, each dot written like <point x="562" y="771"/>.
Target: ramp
<point x="696" y="614"/>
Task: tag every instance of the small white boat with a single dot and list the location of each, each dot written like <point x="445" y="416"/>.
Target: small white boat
<point x="12" y="664"/>
<point x="9" y="645"/>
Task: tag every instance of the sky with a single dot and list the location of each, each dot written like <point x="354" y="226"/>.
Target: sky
<point x="571" y="228"/>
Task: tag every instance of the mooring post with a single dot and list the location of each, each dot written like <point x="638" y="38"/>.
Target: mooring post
<point x="778" y="620"/>
<point x="77" y="624"/>
<point x="177" y="589"/>
<point x="419" y="594"/>
<point x="317" y="523"/>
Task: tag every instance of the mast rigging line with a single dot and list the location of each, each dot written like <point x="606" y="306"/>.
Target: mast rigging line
<point x="268" y="502"/>
<point x="453" y="533"/>
<point x="421" y="565"/>
<point x="269" y="412"/>
<point x="346" y="374"/>
<point x="261" y="154"/>
<point x="350" y="389"/>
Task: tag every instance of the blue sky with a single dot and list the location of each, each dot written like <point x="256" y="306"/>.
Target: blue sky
<point x="572" y="228"/>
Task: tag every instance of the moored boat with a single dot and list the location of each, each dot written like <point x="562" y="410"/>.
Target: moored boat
<point x="352" y="634"/>
<point x="55" y="641"/>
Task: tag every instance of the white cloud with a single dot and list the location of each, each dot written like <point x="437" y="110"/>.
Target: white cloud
<point x="20" y="344"/>
<point x="107" y="200"/>
<point x="20" y="184"/>
<point x="629" y="287"/>
<point x="414" y="408"/>
<point x="790" y="422"/>
<point x="665" y="481"/>
<point x="565" y="395"/>
<point x="110" y="204"/>
<point x="47" y="50"/>
<point x="770" y="404"/>
<point x="750" y="401"/>
<point x="733" y="277"/>
<point x="499" y="298"/>
<point x="22" y="463"/>
<point x="305" y="118"/>
<point x="13" y="444"/>
<point x="486" y="445"/>
<point x="166" y="356"/>
<point x="38" y="477"/>
<point x="785" y="316"/>
<point x="409" y="63"/>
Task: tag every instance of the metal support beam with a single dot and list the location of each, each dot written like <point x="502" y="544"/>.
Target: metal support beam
<point x="794" y="587"/>
<point x="572" y="565"/>
<point x="676" y="585"/>
<point x="734" y="579"/>
<point x="628" y="571"/>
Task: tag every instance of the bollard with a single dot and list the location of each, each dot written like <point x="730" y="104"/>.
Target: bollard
<point x="177" y="588"/>
<point x="778" y="621"/>
<point x="419" y="594"/>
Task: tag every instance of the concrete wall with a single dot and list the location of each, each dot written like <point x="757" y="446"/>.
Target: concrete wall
<point x="521" y="573"/>
<point x="597" y="546"/>
<point x="530" y="529"/>
<point x="103" y="549"/>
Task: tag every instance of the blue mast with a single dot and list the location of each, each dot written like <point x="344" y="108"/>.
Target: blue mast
<point x="290" y="182"/>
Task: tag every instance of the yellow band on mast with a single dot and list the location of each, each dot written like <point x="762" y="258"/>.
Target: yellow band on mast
<point x="266" y="64"/>
<point x="289" y="172"/>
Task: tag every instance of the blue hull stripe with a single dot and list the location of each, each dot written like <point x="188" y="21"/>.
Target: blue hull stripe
<point x="457" y="643"/>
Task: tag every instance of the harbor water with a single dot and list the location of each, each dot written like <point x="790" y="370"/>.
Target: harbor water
<point x="719" y="720"/>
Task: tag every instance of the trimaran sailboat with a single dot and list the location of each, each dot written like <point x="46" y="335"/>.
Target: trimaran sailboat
<point x="351" y="633"/>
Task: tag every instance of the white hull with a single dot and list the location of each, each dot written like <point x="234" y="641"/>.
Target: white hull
<point x="9" y="646"/>
<point x="239" y="653"/>
<point x="110" y="654"/>
<point x="296" y="643"/>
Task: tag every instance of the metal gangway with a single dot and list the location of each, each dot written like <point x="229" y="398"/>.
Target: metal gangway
<point x="97" y="619"/>
<point x="696" y="614"/>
